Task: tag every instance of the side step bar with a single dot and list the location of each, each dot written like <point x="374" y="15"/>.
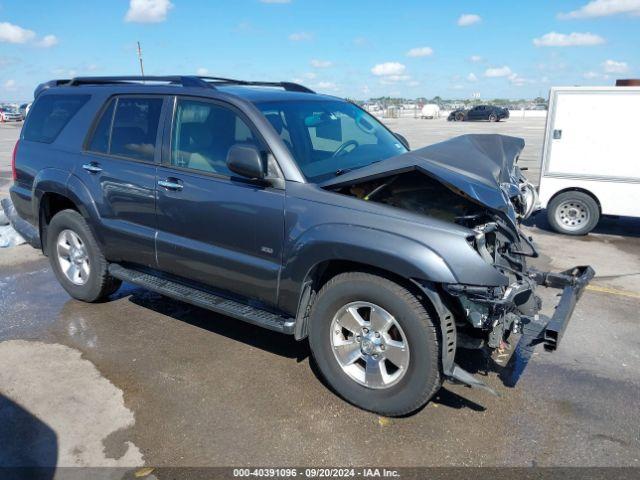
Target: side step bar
<point x="203" y="299"/>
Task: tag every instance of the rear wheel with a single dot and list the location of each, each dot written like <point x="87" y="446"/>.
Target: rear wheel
<point x="573" y="213"/>
<point x="375" y="343"/>
<point x="76" y="258"/>
<point x="493" y="118"/>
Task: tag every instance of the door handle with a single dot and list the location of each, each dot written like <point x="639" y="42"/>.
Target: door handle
<point x="92" y="167"/>
<point x="170" y="184"/>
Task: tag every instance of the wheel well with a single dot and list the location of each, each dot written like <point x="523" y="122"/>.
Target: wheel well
<point x="576" y="189"/>
<point x="325" y="271"/>
<point x="50" y="204"/>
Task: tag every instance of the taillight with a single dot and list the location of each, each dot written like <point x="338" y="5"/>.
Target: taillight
<point x="14" y="174"/>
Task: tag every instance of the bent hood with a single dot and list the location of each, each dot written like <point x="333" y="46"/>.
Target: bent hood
<point x="479" y="166"/>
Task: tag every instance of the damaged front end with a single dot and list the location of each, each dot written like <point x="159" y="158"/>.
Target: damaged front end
<point x="473" y="181"/>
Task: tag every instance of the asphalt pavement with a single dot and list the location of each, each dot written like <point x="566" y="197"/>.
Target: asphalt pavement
<point x="144" y="380"/>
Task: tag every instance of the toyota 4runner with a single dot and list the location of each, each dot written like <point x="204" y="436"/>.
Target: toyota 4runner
<point x="291" y="210"/>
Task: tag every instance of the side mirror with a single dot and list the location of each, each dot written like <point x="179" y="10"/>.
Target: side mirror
<point x="403" y="140"/>
<point x="247" y="161"/>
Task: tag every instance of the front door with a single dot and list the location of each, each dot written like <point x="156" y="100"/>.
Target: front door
<point x="214" y="227"/>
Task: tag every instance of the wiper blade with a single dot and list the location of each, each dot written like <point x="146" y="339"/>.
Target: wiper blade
<point x="341" y="171"/>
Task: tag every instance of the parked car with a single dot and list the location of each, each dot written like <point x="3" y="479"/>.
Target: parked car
<point x="24" y="109"/>
<point x="479" y="112"/>
<point x="590" y="166"/>
<point x="294" y="211"/>
<point x="9" y="115"/>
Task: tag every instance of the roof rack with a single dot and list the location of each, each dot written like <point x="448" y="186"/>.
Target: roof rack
<point x="185" y="81"/>
<point x="289" y="86"/>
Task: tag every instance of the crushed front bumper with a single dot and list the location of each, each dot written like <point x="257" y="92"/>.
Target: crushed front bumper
<point x="572" y="282"/>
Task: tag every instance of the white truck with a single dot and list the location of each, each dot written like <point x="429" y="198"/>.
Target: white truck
<point x="591" y="156"/>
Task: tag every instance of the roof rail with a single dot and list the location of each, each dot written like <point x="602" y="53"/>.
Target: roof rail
<point x="185" y="81"/>
<point x="289" y="86"/>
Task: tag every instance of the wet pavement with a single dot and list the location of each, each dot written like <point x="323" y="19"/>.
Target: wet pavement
<point x="209" y="390"/>
<point x="141" y="379"/>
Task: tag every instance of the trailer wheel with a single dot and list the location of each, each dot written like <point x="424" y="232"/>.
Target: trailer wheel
<point x="573" y="213"/>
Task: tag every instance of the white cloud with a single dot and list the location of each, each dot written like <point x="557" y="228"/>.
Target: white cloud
<point x="148" y="11"/>
<point x="476" y="58"/>
<point x="320" y="63"/>
<point x="413" y="83"/>
<point x="468" y="19"/>
<point x="47" y="41"/>
<point x="388" y="69"/>
<point x="472" y="77"/>
<point x="327" y="86"/>
<point x="604" y="8"/>
<point x="300" y="36"/>
<point x="517" y="80"/>
<point x="420" y="52"/>
<point x="504" y="71"/>
<point x="595" y="75"/>
<point x="14" y="34"/>
<point x="575" y="39"/>
<point x="203" y="72"/>
<point x="275" y="1"/>
<point x="10" y="85"/>
<point x="611" y="66"/>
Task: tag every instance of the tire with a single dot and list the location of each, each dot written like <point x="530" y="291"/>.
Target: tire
<point x="460" y="117"/>
<point x="91" y="287"/>
<point x="573" y="213"/>
<point x="409" y="388"/>
<point x="493" y="118"/>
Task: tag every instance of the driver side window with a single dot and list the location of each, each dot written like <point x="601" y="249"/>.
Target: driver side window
<point x="202" y="135"/>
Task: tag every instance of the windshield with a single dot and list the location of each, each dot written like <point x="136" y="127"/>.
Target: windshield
<point x="327" y="138"/>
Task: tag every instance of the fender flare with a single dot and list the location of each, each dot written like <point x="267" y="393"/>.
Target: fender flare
<point x="387" y="251"/>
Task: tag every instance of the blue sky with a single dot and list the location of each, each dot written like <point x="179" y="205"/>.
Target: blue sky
<point x="349" y="48"/>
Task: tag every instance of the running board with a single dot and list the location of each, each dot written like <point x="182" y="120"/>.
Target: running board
<point x="200" y="298"/>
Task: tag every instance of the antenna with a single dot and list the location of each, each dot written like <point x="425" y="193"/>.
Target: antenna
<point x="140" y="58"/>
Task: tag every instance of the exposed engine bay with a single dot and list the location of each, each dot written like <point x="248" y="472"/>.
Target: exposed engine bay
<point x="489" y="314"/>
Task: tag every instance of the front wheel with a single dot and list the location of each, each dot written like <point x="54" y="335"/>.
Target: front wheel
<point x="375" y="343"/>
<point x="573" y="213"/>
<point x="493" y="118"/>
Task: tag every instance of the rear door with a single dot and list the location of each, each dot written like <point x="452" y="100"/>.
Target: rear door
<point x="119" y="168"/>
<point x="214" y="227"/>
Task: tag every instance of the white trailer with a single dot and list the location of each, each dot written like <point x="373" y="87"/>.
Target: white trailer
<point x="591" y="156"/>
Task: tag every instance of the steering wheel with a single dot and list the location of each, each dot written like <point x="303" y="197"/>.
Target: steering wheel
<point x="343" y="148"/>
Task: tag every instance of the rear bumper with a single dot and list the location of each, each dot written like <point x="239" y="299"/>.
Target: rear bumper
<point x="572" y="282"/>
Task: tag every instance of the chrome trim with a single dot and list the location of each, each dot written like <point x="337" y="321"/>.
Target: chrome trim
<point x="92" y="168"/>
<point x="170" y="185"/>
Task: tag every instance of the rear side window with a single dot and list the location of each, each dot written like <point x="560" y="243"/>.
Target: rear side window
<point x="50" y="114"/>
<point x="100" y="140"/>
<point x="128" y="127"/>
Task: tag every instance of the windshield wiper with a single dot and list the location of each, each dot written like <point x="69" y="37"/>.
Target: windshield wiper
<point x="341" y="171"/>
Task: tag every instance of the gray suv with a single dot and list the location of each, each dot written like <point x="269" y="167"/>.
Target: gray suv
<point x="294" y="211"/>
